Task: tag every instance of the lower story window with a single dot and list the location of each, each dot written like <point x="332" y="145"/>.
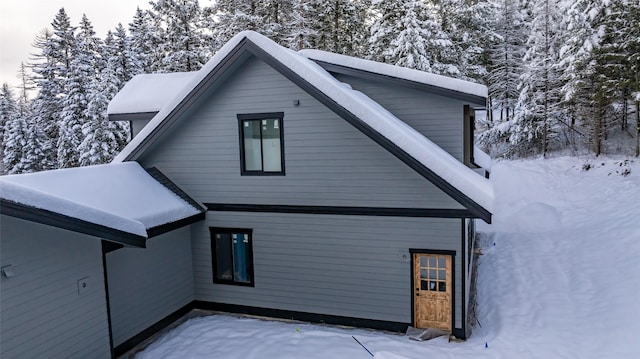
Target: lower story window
<point x="232" y="256"/>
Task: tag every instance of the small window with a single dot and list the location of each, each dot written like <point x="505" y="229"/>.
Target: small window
<point x="232" y="256"/>
<point x="468" y="134"/>
<point x="261" y="144"/>
<point x="433" y="273"/>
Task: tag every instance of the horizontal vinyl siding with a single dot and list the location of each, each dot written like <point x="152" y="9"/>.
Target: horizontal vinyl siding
<point x="327" y="161"/>
<point x="148" y="284"/>
<point x="41" y="312"/>
<point x="437" y="117"/>
<point x="327" y="264"/>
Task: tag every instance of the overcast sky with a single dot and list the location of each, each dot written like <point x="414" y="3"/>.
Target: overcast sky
<point x="22" y="20"/>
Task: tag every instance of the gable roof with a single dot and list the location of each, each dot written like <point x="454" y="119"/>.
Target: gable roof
<point x="421" y="154"/>
<point x="146" y="94"/>
<point x="438" y="84"/>
<point x="120" y="202"/>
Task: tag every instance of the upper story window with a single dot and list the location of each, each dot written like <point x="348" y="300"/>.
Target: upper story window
<point x="261" y="144"/>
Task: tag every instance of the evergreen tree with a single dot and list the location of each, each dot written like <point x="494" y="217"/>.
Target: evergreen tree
<point x="144" y="43"/>
<point x="340" y="26"/>
<point x="120" y="56"/>
<point x="470" y="26"/>
<point x="14" y="132"/>
<point x="7" y="114"/>
<point x="183" y="45"/>
<point x="299" y="30"/>
<point x="102" y="138"/>
<point x="276" y="15"/>
<point x="537" y="110"/>
<point x="409" y="38"/>
<point x="82" y="72"/>
<point x="618" y="56"/>
<point x="409" y="34"/>
<point x="50" y="71"/>
<point x="33" y="157"/>
<point x="505" y="58"/>
<point x="229" y="17"/>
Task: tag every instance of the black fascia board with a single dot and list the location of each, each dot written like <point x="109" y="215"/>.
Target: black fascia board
<point x="345" y="70"/>
<point x="133" y="116"/>
<point x="371" y="133"/>
<point x="50" y="218"/>
<point x="168" y="227"/>
<point x="246" y="46"/>
<point x="170" y="185"/>
<point x="342" y="210"/>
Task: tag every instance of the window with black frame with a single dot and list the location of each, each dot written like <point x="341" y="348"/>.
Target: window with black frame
<point x="261" y="143"/>
<point x="232" y="256"/>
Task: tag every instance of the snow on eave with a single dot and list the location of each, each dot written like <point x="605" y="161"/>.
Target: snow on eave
<point x="430" y="155"/>
<point x="118" y="196"/>
<point x="148" y="92"/>
<point x="481" y="158"/>
<point x="427" y="78"/>
<point x="38" y="199"/>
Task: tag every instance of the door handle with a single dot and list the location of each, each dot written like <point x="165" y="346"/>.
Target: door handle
<point x="417" y="294"/>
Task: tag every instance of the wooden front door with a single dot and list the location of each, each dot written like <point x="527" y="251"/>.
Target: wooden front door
<point x="433" y="291"/>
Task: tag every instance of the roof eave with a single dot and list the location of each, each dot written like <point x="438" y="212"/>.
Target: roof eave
<point x="346" y="70"/>
<point x="133" y="116"/>
<point x="50" y="218"/>
<point x="168" y="227"/>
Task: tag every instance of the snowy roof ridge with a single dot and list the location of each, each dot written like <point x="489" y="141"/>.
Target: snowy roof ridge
<point x="404" y="73"/>
<point x="430" y="155"/>
<point x="121" y="196"/>
<point x="148" y="92"/>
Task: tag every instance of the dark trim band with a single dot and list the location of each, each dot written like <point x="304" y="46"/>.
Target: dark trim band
<point x="165" y="181"/>
<point x="168" y="227"/>
<point x="265" y="312"/>
<point x="133" y="116"/>
<point x="341" y="210"/>
<point x="54" y="219"/>
<point x="259" y="116"/>
<point x="350" y="71"/>
<point x="153" y="329"/>
<point x="463" y="251"/>
<point x="106" y="248"/>
<point x="304" y="316"/>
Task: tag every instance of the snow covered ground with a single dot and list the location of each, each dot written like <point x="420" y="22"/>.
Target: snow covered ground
<point x="559" y="278"/>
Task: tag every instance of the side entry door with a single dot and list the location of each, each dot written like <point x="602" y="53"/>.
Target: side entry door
<point x="433" y="291"/>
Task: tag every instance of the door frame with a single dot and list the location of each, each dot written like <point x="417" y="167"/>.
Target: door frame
<point x="413" y="251"/>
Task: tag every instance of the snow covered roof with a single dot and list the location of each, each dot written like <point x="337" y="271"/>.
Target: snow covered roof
<point x="420" y="153"/>
<point x="122" y="197"/>
<point x="148" y="92"/>
<point x="404" y="73"/>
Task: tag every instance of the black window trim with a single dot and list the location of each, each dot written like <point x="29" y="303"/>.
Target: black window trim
<point x="213" y="231"/>
<point x="260" y="116"/>
<point x="469" y="124"/>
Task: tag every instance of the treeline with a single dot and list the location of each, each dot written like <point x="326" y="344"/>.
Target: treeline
<point x="561" y="73"/>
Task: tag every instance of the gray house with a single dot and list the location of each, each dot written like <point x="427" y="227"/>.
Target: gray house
<point x="304" y="185"/>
